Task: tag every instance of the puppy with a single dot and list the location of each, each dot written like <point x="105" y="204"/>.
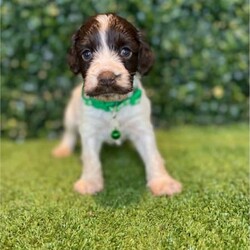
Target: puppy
<point x="111" y="105"/>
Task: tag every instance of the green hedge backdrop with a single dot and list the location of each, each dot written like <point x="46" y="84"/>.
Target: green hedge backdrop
<point x="200" y="75"/>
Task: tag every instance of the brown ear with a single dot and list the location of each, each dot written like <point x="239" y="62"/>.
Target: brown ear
<point x="145" y="59"/>
<point x="73" y="59"/>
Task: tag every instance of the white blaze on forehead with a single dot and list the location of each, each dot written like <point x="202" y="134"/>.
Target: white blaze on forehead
<point x="105" y="58"/>
<point x="103" y="20"/>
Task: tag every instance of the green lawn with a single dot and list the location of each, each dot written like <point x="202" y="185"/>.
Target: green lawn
<point x="40" y="211"/>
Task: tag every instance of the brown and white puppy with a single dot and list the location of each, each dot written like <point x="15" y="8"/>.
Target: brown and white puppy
<point x="110" y="54"/>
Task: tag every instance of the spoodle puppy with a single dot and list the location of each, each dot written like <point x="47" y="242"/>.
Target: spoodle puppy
<point x="112" y="105"/>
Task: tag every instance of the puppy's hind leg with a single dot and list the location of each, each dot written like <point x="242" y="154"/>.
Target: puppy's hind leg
<point x="68" y="141"/>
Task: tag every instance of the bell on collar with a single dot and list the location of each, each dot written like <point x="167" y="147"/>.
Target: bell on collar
<point x="115" y="134"/>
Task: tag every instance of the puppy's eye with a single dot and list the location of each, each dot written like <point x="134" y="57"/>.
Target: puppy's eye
<point x="126" y="52"/>
<point x="87" y="55"/>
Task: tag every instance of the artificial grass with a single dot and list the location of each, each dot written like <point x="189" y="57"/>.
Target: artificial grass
<point x="39" y="210"/>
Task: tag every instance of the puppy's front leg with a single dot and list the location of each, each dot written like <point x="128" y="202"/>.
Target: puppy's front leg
<point x="158" y="179"/>
<point x="91" y="180"/>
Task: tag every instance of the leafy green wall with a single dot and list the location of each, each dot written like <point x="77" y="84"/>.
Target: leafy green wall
<point x="200" y="74"/>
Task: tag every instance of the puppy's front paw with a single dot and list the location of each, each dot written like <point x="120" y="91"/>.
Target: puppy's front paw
<point x="164" y="186"/>
<point x="61" y="151"/>
<point x="88" y="187"/>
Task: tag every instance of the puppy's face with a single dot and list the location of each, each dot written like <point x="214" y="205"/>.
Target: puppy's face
<point x="108" y="51"/>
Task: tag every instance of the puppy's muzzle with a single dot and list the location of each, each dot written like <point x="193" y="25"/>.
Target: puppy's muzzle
<point x="108" y="84"/>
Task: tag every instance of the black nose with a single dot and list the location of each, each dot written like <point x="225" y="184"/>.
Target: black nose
<point x="106" y="78"/>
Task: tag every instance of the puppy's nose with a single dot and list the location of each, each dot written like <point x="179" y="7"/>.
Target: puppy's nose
<point x="106" y="78"/>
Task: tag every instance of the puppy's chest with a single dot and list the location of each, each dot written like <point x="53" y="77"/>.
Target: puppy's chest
<point x="109" y="125"/>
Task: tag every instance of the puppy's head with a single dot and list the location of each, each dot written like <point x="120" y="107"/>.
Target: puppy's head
<point x="108" y="51"/>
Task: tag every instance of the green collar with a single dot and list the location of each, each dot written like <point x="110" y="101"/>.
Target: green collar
<point x="113" y="105"/>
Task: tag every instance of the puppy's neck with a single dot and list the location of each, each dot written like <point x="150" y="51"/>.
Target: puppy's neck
<point x="137" y="81"/>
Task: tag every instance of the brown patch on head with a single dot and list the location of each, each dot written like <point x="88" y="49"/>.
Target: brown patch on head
<point x="85" y="37"/>
<point x="122" y="34"/>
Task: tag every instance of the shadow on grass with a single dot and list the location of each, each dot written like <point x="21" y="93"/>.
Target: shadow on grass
<point x="124" y="176"/>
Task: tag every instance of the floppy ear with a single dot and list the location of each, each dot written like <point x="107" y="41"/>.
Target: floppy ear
<point x="73" y="59"/>
<point x="146" y="57"/>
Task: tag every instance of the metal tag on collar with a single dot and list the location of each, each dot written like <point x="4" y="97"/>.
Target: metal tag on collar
<point x="115" y="133"/>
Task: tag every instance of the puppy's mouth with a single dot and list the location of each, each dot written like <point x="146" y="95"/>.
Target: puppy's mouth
<point x="109" y="93"/>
